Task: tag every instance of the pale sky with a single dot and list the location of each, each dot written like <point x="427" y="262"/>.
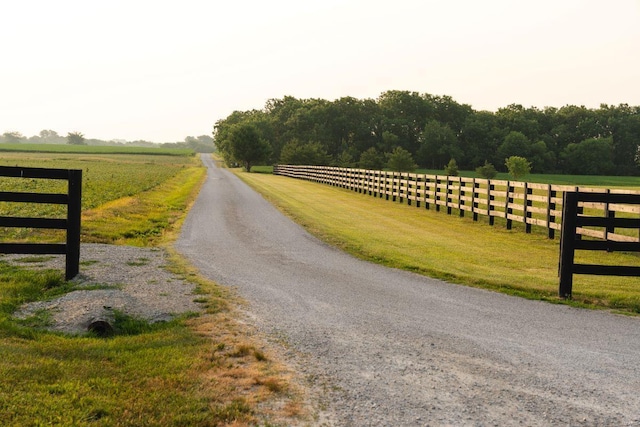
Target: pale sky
<point x="161" y="70"/>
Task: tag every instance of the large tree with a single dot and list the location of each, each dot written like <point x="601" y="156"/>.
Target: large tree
<point x="247" y="147"/>
<point x="13" y="137"/>
<point x="296" y="153"/>
<point x="76" y="138"/>
<point x="593" y="156"/>
<point x="439" y="145"/>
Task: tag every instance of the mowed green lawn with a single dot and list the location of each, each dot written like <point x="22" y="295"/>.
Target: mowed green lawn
<point x="445" y="246"/>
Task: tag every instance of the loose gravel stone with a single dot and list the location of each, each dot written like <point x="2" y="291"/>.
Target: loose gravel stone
<point x="129" y="279"/>
<point x="389" y="348"/>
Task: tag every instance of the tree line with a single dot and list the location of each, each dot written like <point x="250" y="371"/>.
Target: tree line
<point x="200" y="144"/>
<point x="432" y="131"/>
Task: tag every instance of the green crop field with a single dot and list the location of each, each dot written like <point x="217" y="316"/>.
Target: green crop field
<point x="106" y="177"/>
<point x="92" y="149"/>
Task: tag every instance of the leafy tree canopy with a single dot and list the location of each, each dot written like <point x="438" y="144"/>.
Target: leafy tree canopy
<point x="247" y="147"/>
<point x="434" y="129"/>
<point x="76" y="138"/>
<point x="400" y="160"/>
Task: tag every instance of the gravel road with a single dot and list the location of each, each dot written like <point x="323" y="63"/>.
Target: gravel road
<point x="392" y="348"/>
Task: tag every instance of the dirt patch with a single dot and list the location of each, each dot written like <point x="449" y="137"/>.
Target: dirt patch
<point x="131" y="280"/>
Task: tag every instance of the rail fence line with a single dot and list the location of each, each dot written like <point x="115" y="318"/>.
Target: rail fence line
<point x="73" y="201"/>
<point x="529" y="203"/>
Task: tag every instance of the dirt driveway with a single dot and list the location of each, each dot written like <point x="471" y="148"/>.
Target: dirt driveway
<point x="391" y="348"/>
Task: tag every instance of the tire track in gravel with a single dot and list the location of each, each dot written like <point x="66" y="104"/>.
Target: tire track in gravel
<point x="394" y="348"/>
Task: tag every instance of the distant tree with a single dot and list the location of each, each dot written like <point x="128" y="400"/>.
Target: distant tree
<point x="517" y="166"/>
<point x="247" y="147"/>
<point x="296" y="153"/>
<point x="514" y="144"/>
<point x="487" y="171"/>
<point x="200" y="144"/>
<point x="401" y="160"/>
<point x="389" y="140"/>
<point x="205" y="139"/>
<point x="452" y="168"/>
<point x="76" y="138"/>
<point x="345" y="160"/>
<point x="439" y="143"/>
<point x="51" y="137"/>
<point x="371" y="159"/>
<point x="593" y="156"/>
<point x="13" y="137"/>
<point x="542" y="159"/>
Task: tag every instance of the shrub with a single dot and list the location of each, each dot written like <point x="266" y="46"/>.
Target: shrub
<point x="487" y="171"/>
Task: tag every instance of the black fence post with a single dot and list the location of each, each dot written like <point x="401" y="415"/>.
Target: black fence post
<point x="74" y="209"/>
<point x="551" y="206"/>
<point x="507" y="207"/>
<point x="567" y="243"/>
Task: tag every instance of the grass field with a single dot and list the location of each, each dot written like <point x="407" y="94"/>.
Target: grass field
<point x="445" y="246"/>
<point x="208" y="370"/>
<point x="93" y="149"/>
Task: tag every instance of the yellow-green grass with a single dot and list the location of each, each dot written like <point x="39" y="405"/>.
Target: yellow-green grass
<point x="204" y="370"/>
<point x="445" y="246"/>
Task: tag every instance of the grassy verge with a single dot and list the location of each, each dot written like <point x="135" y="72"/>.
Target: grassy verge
<point x="208" y="370"/>
<point x="444" y="246"/>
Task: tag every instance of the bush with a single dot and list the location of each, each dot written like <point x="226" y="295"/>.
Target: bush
<point x="487" y="171"/>
<point x="371" y="159"/>
<point x="518" y="166"/>
<point x="452" y="168"/>
<point x="400" y="160"/>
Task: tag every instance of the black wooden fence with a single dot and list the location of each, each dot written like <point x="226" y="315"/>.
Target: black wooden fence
<point x="532" y="204"/>
<point x="71" y="223"/>
<point x="575" y="219"/>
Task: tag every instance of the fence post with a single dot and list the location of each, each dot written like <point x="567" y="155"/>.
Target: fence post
<point x="448" y="198"/>
<point x="507" y="210"/>
<point x="551" y="194"/>
<point x="490" y="188"/>
<point x="74" y="209"/>
<point x="527" y="204"/>
<point x="567" y="243"/>
<point x="611" y="214"/>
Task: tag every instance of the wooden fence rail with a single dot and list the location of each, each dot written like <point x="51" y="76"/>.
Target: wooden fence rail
<point x="604" y="240"/>
<point x="71" y="223"/>
<point x="532" y="204"/>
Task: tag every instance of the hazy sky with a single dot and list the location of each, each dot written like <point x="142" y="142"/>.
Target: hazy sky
<point x="161" y="70"/>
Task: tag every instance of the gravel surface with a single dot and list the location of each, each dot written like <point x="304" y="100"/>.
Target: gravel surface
<point x="382" y="347"/>
<point x="129" y="279"/>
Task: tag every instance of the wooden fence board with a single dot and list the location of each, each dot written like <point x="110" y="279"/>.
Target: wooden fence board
<point x="534" y="204"/>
